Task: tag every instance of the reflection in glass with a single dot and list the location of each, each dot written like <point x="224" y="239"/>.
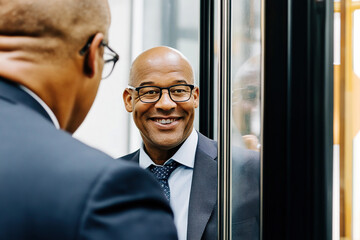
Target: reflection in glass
<point x="246" y="124"/>
<point x="246" y="104"/>
<point x="246" y="73"/>
<point x="337" y="38"/>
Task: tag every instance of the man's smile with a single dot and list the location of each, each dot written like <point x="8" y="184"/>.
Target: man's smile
<point x="165" y="121"/>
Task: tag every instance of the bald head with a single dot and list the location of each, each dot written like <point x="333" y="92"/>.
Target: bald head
<point x="40" y="43"/>
<point x="71" y="21"/>
<point x="160" y="59"/>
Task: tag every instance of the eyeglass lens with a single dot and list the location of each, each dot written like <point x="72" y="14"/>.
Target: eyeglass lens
<point x="110" y="58"/>
<point x="179" y="93"/>
<point x="107" y="69"/>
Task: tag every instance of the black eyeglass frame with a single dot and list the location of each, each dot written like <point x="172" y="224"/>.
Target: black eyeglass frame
<point x="114" y="58"/>
<point x="161" y="88"/>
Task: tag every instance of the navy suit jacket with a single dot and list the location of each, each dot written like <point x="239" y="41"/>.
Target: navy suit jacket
<point x="202" y="218"/>
<point x="54" y="187"/>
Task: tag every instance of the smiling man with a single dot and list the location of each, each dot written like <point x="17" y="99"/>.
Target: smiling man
<point x="162" y="98"/>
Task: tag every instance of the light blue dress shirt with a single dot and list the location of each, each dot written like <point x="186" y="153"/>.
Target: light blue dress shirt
<point x="179" y="181"/>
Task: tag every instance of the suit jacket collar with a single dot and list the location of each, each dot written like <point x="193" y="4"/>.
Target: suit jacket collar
<point x="203" y="195"/>
<point x="12" y="93"/>
<point x="132" y="157"/>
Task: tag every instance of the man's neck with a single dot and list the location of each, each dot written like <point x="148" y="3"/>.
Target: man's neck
<point x="160" y="156"/>
<point x="36" y="77"/>
<point x="43" y="104"/>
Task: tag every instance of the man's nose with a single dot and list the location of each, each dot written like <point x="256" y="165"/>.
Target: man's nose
<point x="165" y="101"/>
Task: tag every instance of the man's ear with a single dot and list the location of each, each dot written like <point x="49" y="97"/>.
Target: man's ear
<point x="196" y="93"/>
<point x="92" y="57"/>
<point x="128" y="100"/>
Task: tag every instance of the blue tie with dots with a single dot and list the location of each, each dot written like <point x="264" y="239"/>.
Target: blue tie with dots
<point x="162" y="174"/>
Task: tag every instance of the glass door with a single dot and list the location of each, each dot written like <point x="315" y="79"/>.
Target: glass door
<point x="239" y="55"/>
<point x="346" y="215"/>
<point x="275" y="64"/>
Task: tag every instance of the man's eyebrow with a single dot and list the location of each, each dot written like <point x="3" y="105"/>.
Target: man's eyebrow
<point x="149" y="83"/>
<point x="181" y="81"/>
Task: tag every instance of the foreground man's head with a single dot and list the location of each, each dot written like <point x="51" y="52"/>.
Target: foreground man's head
<point x="40" y="45"/>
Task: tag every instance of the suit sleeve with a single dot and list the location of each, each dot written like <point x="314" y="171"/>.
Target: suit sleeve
<point x="246" y="194"/>
<point x="126" y="203"/>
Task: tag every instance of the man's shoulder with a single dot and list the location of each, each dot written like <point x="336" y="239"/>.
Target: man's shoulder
<point x="203" y="138"/>
<point x="246" y="164"/>
<point x="32" y="136"/>
<point x="241" y="157"/>
<point x="207" y="145"/>
<point x="245" y="156"/>
<point x="134" y="156"/>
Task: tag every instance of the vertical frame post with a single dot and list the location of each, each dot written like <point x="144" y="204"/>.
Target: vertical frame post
<point x="224" y="121"/>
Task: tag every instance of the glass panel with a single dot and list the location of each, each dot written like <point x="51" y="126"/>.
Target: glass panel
<point x="246" y="50"/>
<point x="346" y="197"/>
<point x="337" y="38"/>
<point x="246" y="126"/>
<point x="356" y="130"/>
<point x="356" y="186"/>
<point x="356" y="43"/>
<point x="336" y="147"/>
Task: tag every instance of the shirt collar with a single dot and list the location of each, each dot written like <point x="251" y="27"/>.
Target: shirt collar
<point x="185" y="155"/>
<point x="43" y="104"/>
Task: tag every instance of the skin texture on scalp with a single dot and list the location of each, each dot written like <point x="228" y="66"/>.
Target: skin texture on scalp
<point x="57" y="19"/>
<point x="155" y="57"/>
<point x="40" y="42"/>
<point x="163" y="67"/>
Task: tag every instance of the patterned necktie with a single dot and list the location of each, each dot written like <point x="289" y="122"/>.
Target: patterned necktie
<point x="162" y="174"/>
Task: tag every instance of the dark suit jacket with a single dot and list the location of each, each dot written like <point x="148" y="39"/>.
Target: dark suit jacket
<point x="202" y="219"/>
<point x="54" y="187"/>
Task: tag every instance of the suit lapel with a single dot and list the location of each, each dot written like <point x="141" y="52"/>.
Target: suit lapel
<point x="132" y="157"/>
<point x="203" y="193"/>
<point x="203" y="189"/>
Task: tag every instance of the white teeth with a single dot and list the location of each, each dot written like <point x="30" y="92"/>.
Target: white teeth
<point x="165" y="121"/>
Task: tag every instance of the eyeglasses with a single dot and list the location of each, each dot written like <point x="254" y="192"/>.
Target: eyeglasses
<point x="110" y="57"/>
<point x="151" y="94"/>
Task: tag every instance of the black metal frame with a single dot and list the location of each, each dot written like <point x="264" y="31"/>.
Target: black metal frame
<point x="297" y="131"/>
<point x="206" y="69"/>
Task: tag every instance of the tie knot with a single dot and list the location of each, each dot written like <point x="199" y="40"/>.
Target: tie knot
<point x="163" y="172"/>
